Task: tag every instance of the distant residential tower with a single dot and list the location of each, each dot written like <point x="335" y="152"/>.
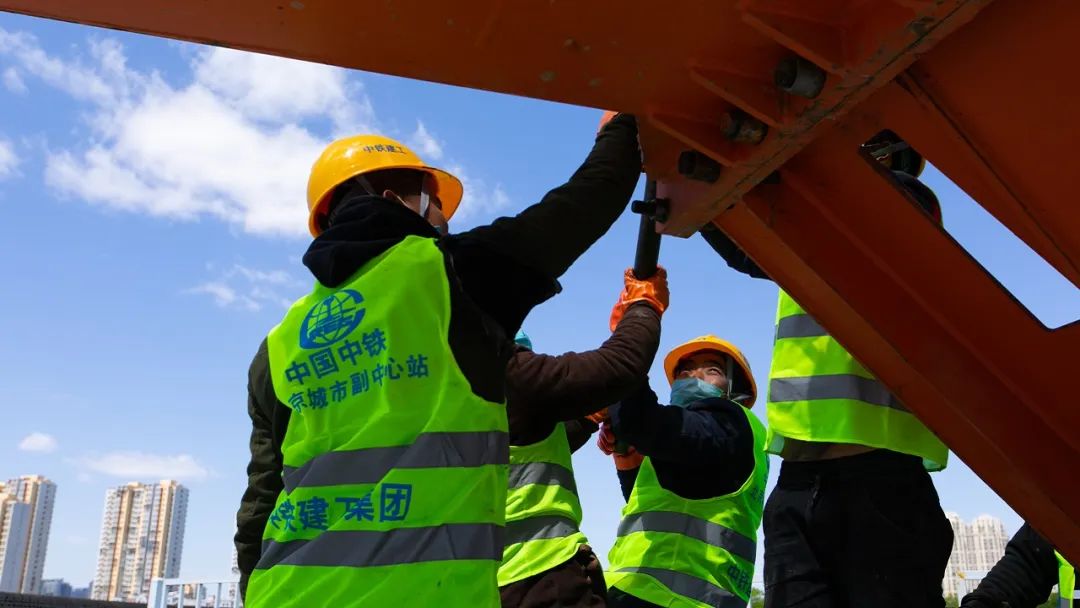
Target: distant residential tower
<point x="26" y="509"/>
<point x="976" y="548"/>
<point x="142" y="537"/>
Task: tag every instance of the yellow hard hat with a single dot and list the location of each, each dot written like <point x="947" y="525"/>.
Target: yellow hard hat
<point x="346" y="158"/>
<point x="710" y="343"/>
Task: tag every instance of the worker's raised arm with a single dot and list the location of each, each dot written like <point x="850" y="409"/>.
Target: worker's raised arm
<point x="735" y="257"/>
<point x="1023" y="577"/>
<point x="511" y="265"/>
<point x="264" y="469"/>
<point x="697" y="435"/>
<point x="556" y="388"/>
<point x="550" y="235"/>
<point x="579" y="431"/>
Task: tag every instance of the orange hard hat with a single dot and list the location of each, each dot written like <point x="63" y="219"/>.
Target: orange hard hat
<point x="710" y="343"/>
<point x="349" y="157"/>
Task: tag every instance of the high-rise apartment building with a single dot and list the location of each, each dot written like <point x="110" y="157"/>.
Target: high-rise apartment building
<point x="39" y="494"/>
<point x="976" y="548"/>
<point x="142" y="537"/>
<point x="14" y="533"/>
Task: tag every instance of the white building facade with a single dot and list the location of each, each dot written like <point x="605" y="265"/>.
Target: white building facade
<point x="976" y="548"/>
<point x="14" y="534"/>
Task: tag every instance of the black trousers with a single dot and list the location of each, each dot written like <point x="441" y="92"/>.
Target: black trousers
<point x="864" y="531"/>
<point x="576" y="583"/>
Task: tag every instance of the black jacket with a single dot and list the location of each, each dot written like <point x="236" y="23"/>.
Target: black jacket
<point x="497" y="273"/>
<point x="1022" y="578"/>
<point x="702" y="451"/>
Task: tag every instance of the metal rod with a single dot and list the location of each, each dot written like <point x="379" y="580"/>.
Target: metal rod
<point x="648" y="243"/>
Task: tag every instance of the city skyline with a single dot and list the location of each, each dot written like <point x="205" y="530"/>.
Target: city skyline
<point x="976" y="547"/>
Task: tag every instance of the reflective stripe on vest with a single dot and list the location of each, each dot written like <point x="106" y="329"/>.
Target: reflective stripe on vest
<point x="1066" y="582"/>
<point x="542" y="473"/>
<point x="539" y="528"/>
<point x="839" y="386"/>
<point x="818" y="392"/>
<point x="688" y="525"/>
<point x="690" y="586"/>
<point x="395" y="472"/>
<point x="366" y="548"/>
<point x="369" y="465"/>
<point x="543" y="514"/>
<point x="673" y="551"/>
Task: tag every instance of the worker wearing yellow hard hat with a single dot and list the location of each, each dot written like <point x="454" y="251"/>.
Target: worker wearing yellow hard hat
<point x="364" y="158"/>
<point x="854" y="519"/>
<point x="378" y="473"/>
<point x="694" y="479"/>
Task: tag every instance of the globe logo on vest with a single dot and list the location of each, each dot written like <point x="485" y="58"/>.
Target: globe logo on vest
<point x="332" y="319"/>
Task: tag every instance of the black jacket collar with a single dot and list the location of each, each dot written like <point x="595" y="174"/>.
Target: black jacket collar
<point x="365" y="227"/>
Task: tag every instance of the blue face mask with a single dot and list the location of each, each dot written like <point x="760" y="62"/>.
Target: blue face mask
<point x="685" y="391"/>
<point x="522" y="339"/>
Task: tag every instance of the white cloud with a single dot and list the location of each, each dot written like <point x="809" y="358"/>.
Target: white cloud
<point x="425" y="143"/>
<point x="108" y="82"/>
<point x="234" y="142"/>
<point x="8" y="160"/>
<point x="38" y="442"/>
<point x="186" y="153"/>
<point x="278" y="90"/>
<point x="480" y="202"/>
<point x="249" y="289"/>
<point x="225" y="296"/>
<point x="13" y="82"/>
<point x="144" y="466"/>
<point x="230" y="144"/>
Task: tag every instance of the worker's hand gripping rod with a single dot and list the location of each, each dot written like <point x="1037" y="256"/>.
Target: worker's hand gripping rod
<point x="652" y="210"/>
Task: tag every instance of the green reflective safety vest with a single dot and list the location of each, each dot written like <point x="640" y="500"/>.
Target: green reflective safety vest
<point x="1066" y="582"/>
<point x="394" y="471"/>
<point x="819" y="392"/>
<point x="543" y="513"/>
<point x="683" y="553"/>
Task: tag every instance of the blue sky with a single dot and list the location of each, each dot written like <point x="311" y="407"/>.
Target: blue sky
<point x="151" y="225"/>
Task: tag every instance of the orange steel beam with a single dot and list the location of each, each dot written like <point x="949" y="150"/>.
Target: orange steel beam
<point x="974" y="85"/>
<point x="958" y="349"/>
<point x="681" y="64"/>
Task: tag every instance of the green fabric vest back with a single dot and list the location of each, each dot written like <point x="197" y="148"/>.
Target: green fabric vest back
<point x="1066" y="582"/>
<point x="394" y="471"/>
<point x="819" y="392"/>
<point x="682" y="553"/>
<point x="543" y="514"/>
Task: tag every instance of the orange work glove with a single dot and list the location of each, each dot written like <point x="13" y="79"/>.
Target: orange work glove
<point x="653" y="290"/>
<point x="606" y="440"/>
<point x="599" y="417"/>
<point x="630" y="460"/>
<point x="606" y="118"/>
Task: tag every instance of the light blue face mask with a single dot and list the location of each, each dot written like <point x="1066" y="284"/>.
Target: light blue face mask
<point x="685" y="391"/>
<point x="522" y="339"/>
